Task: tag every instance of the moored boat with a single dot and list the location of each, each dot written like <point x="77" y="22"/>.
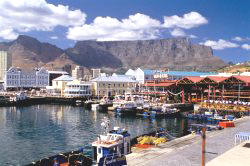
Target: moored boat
<point x="111" y="147"/>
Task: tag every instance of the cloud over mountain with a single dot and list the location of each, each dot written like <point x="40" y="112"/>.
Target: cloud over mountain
<point x="220" y="44"/>
<point x="135" y="27"/>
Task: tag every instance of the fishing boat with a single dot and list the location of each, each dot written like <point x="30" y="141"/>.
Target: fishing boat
<point x="111" y="147"/>
<point x="128" y="108"/>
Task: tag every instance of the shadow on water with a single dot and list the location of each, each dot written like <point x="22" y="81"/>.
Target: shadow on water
<point x="34" y="132"/>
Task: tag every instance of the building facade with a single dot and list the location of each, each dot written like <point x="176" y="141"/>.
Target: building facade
<point x="55" y="74"/>
<point x="113" y="85"/>
<point x="59" y="85"/>
<point x="96" y="73"/>
<point x="5" y="63"/>
<point x="81" y="73"/>
<point x="18" y="78"/>
<point x="78" y="88"/>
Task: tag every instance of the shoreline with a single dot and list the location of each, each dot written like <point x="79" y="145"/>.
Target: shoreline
<point x="186" y="149"/>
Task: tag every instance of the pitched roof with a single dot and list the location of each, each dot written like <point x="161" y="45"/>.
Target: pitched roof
<point x="64" y="78"/>
<point x="195" y="79"/>
<point x="116" y="78"/>
<point x="217" y="79"/>
<point x="245" y="79"/>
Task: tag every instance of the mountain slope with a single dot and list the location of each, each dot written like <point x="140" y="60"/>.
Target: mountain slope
<point x="172" y="53"/>
<point x="28" y="52"/>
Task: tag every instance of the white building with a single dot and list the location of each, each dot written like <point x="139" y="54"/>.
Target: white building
<point x="18" y="78"/>
<point x="113" y="85"/>
<point x="5" y="63"/>
<point x="78" y="88"/>
<point x="138" y="74"/>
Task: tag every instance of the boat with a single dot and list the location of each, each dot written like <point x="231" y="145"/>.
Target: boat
<point x="95" y="107"/>
<point x="111" y="147"/>
<point x="65" y="159"/>
<point x="128" y="108"/>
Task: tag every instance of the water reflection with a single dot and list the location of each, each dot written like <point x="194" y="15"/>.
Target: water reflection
<point x="31" y="133"/>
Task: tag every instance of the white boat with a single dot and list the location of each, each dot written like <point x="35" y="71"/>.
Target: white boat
<point x="95" y="107"/>
<point x="111" y="145"/>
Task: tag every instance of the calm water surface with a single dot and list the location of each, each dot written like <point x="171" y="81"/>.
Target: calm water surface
<point x="31" y="133"/>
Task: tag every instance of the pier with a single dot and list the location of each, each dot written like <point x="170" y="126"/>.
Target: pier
<point x="187" y="150"/>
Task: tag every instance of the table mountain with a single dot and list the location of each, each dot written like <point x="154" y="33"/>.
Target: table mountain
<point x="178" y="53"/>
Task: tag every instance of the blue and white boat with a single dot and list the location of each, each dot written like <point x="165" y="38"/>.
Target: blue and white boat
<point x="111" y="147"/>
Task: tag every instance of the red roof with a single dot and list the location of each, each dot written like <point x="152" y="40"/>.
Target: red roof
<point x="195" y="79"/>
<point x="161" y="83"/>
<point x="245" y="79"/>
<point x="217" y="79"/>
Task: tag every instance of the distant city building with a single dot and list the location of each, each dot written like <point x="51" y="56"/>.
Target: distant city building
<point x="18" y="78"/>
<point x="78" y="88"/>
<point x="55" y="74"/>
<point x="96" y="73"/>
<point x="138" y="74"/>
<point x="143" y="76"/>
<point x="5" y="63"/>
<point x="81" y="73"/>
<point x="67" y="68"/>
<point x="113" y="85"/>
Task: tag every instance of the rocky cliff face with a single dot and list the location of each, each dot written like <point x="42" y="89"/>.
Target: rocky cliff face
<point x="171" y="53"/>
<point x="177" y="54"/>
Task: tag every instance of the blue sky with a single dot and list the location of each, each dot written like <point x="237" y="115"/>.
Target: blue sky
<point x="222" y="24"/>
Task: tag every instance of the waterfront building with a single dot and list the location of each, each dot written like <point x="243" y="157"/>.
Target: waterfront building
<point x="78" y="88"/>
<point x="17" y="78"/>
<point x="59" y="85"/>
<point x="138" y="74"/>
<point x="5" y="63"/>
<point x="149" y="75"/>
<point x="55" y="74"/>
<point x="113" y="85"/>
<point x="96" y="73"/>
<point x="81" y="73"/>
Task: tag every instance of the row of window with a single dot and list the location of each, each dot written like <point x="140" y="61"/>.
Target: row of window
<point x="78" y="87"/>
<point x="114" y="92"/>
<point x="81" y="92"/>
<point x="10" y="82"/>
<point x="26" y="76"/>
<point x="113" y="85"/>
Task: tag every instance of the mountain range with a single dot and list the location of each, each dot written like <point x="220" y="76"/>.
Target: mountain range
<point x="175" y="53"/>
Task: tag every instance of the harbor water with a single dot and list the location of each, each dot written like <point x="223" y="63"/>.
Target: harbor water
<point x="30" y="133"/>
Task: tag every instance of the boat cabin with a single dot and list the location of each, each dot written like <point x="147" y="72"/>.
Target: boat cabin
<point x="116" y="142"/>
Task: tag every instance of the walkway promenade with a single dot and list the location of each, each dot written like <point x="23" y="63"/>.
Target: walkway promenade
<point x="186" y="151"/>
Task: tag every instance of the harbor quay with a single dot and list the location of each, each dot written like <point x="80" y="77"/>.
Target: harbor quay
<point x="187" y="150"/>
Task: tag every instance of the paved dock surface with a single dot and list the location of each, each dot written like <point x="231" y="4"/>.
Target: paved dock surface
<point x="186" y="151"/>
<point x="237" y="156"/>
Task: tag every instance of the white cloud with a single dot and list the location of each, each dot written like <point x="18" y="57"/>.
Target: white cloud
<point x="237" y="38"/>
<point x="7" y="33"/>
<point x="246" y="46"/>
<point x="193" y="36"/>
<point x="189" y="20"/>
<point x="54" y="37"/>
<point x="138" y="26"/>
<point x="177" y="32"/>
<point x="220" y="44"/>
<point x="135" y="27"/>
<point x="27" y="15"/>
